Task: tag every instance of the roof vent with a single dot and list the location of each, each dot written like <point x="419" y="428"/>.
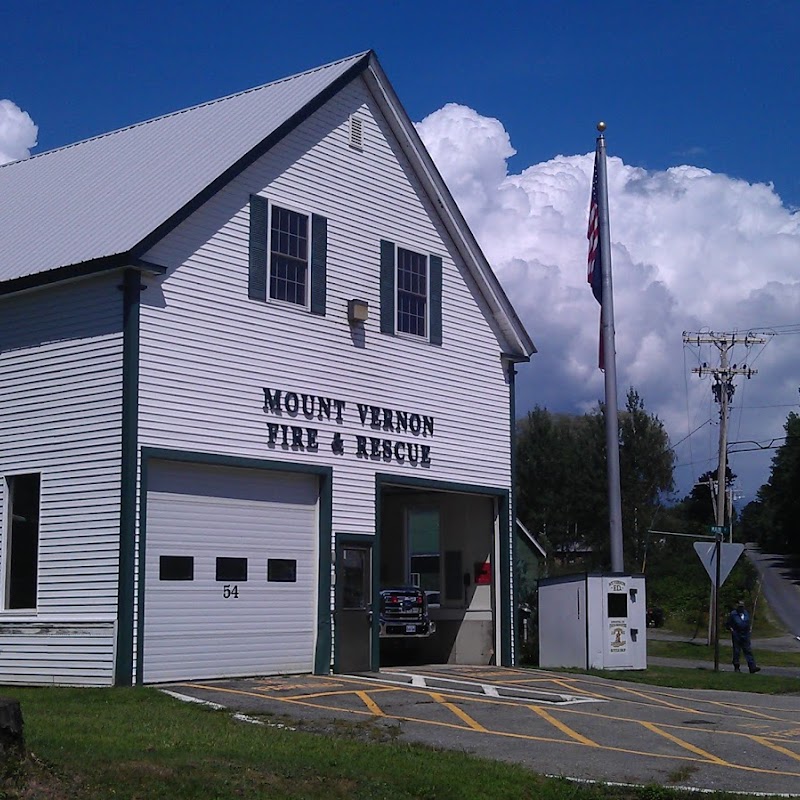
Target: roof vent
<point x="356" y="132"/>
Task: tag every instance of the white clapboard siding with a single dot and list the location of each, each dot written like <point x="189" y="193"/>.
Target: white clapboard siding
<point x="191" y="630"/>
<point x="60" y="415"/>
<point x="208" y="351"/>
<point x="70" y="653"/>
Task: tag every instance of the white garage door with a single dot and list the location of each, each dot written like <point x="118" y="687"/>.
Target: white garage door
<point x="231" y="572"/>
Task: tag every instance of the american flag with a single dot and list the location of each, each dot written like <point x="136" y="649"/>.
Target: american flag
<point x="595" y="275"/>
<point x="595" y="263"/>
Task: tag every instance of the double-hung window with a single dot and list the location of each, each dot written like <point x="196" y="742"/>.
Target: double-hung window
<point x="411" y="293"/>
<point x="22" y="540"/>
<point x="287" y="255"/>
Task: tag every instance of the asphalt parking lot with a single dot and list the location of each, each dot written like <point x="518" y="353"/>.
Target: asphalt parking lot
<point x="575" y="726"/>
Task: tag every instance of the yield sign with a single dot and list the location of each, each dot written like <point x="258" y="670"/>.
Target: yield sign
<point x="728" y="556"/>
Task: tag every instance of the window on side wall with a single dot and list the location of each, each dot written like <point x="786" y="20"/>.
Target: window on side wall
<point x="287" y="255"/>
<point x="23" y="495"/>
<point x="410" y="293"/>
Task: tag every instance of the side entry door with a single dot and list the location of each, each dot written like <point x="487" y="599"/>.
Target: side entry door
<point x="353" y="607"/>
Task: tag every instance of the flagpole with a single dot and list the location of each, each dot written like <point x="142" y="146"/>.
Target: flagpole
<point x="610" y="359"/>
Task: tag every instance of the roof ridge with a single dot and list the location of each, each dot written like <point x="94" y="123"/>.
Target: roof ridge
<point x="204" y="104"/>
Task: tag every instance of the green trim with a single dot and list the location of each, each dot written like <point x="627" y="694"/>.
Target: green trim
<point x="388" y="322"/>
<point x="507" y="566"/>
<point x="319" y="264"/>
<point x="374" y="543"/>
<point x="257" y="248"/>
<point x="435" y="300"/>
<point x="149" y="266"/>
<point x="322" y="654"/>
<point x="85" y="269"/>
<point x="512" y="402"/>
<point x="142" y="554"/>
<point x="123" y="666"/>
<point x="391" y="479"/>
<point x="200" y="457"/>
<point x="70" y="272"/>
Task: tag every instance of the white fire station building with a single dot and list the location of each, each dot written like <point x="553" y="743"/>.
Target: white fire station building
<point x="253" y="368"/>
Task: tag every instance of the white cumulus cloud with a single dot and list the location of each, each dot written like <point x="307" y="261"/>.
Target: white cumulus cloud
<point x="692" y="250"/>
<point x="17" y="132"/>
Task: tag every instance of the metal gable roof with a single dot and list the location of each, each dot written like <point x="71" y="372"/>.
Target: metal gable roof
<point x="104" y="196"/>
<point x="103" y="202"/>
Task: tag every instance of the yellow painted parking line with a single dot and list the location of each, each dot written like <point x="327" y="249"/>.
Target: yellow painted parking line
<point x="791" y="733"/>
<point x="474" y="724"/>
<point x="371" y="704"/>
<point x="655" y="699"/>
<point x="776" y="747"/>
<point x="686" y="745"/>
<point x="565" y="684"/>
<point x="562" y="727"/>
<point x="510" y="703"/>
<point x="656" y="695"/>
<point x="745" y="710"/>
<point x="314" y="695"/>
<point x="507" y="734"/>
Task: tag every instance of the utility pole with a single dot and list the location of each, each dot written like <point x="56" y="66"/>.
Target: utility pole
<point x="723" y="390"/>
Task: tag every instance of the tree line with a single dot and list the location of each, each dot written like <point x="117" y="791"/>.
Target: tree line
<point x="773" y="518"/>
<point x="561" y="480"/>
<point x="561" y="486"/>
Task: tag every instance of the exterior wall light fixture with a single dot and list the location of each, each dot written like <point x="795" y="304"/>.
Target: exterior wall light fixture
<point x="357" y="311"/>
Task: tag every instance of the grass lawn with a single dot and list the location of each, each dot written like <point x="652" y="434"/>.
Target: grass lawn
<point x="703" y="678"/>
<point x="93" y="744"/>
<point x="704" y="652"/>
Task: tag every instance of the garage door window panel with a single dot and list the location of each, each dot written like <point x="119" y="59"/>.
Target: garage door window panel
<point x="282" y="570"/>
<point x="176" y="568"/>
<point x="231" y="569"/>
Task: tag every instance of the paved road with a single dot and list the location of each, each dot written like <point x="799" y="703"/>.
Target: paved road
<point x="574" y="726"/>
<point x="780" y="584"/>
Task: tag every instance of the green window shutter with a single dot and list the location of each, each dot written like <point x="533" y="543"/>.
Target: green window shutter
<point x="319" y="264"/>
<point x="435" y="308"/>
<point x="257" y="270"/>
<point x="387" y="287"/>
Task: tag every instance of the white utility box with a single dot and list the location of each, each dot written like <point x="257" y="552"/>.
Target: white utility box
<point x="593" y="621"/>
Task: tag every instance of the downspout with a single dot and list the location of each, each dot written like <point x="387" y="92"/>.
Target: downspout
<point x="511" y="602"/>
<point x="131" y="290"/>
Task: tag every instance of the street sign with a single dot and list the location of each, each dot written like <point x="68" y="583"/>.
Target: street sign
<point x="729" y="555"/>
<point x="719" y="530"/>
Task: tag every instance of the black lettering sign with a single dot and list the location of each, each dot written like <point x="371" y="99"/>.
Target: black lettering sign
<point x="379" y="418"/>
<point x="272" y="402"/>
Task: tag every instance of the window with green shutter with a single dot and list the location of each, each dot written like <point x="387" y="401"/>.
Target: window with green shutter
<point x="411" y="293"/>
<point x="288" y="255"/>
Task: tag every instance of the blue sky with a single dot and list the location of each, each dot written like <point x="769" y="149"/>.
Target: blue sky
<point x="710" y="82"/>
<point x="508" y="94"/>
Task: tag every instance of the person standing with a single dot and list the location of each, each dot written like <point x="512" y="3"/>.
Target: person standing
<point x="739" y="626"/>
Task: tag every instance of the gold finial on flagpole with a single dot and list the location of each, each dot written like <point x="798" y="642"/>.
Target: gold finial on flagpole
<point x="601" y="126"/>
